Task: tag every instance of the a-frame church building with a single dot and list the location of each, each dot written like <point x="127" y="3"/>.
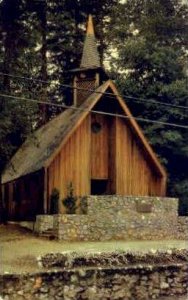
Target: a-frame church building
<point x="89" y="145"/>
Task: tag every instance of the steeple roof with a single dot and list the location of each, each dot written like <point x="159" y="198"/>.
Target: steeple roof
<point x="90" y="55"/>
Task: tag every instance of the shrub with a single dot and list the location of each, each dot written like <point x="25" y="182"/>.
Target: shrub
<point x="70" y="201"/>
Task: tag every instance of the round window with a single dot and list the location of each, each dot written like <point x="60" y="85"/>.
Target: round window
<point x="96" y="127"/>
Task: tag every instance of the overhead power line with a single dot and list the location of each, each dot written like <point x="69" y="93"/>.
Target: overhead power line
<point x="95" y="111"/>
<point x="110" y="95"/>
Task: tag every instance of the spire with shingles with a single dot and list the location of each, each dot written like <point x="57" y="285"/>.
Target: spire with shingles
<point x="90" y="56"/>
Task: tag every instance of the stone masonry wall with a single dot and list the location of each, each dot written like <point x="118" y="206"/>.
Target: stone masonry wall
<point x="120" y="217"/>
<point x="183" y="227"/>
<point x="127" y="283"/>
<point x="43" y="223"/>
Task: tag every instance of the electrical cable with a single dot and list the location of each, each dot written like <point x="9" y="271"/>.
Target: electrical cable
<point x="95" y="111"/>
<point x="110" y="95"/>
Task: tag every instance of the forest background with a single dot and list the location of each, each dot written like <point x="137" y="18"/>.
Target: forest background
<point x="144" y="47"/>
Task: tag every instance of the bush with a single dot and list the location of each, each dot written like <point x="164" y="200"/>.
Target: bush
<point x="70" y="201"/>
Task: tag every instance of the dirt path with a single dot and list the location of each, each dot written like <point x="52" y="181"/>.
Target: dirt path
<point x="19" y="248"/>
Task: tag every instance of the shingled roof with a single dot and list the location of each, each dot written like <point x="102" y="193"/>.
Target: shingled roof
<point x="40" y="148"/>
<point x="90" y="56"/>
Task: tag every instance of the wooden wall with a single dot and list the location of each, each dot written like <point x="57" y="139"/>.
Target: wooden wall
<point x="24" y="197"/>
<point x="112" y="157"/>
<point x="113" y="154"/>
<point x="135" y="175"/>
<point x="72" y="164"/>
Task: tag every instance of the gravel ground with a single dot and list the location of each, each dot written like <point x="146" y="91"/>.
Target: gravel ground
<point x="19" y="248"/>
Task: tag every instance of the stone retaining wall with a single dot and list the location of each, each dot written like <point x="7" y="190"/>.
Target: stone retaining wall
<point x="43" y="223"/>
<point x="183" y="227"/>
<point x="118" y="217"/>
<point x="127" y="283"/>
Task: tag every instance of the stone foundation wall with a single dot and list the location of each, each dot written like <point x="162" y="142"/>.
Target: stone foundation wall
<point x="183" y="227"/>
<point x="120" y="217"/>
<point x="127" y="283"/>
<point x="72" y="227"/>
<point x="43" y="223"/>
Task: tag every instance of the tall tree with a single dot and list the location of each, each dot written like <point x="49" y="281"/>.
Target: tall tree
<point x="151" y="42"/>
<point x="16" y="117"/>
<point x="39" y="7"/>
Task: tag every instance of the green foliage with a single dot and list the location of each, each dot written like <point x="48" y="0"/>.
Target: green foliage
<point x="16" y="117"/>
<point x="70" y="202"/>
<point x="54" y="202"/>
<point x="151" y="42"/>
<point x="74" y="204"/>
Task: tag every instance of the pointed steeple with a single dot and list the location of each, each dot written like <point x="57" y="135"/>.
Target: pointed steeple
<point x="90" y="74"/>
<point x="90" y="27"/>
<point x="90" y="56"/>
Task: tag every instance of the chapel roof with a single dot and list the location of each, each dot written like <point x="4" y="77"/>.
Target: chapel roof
<point x="41" y="144"/>
<point x="41" y="147"/>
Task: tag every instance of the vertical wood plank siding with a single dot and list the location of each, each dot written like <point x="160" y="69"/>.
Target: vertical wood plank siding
<point x="134" y="174"/>
<point x="112" y="157"/>
<point x="113" y="154"/>
<point x="72" y="164"/>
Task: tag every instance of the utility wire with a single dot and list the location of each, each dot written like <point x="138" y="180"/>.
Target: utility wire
<point x="95" y="111"/>
<point x="110" y="95"/>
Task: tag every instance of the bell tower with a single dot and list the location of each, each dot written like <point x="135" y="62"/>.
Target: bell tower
<point x="90" y="74"/>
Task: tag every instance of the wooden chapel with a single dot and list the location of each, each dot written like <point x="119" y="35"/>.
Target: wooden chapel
<point x="95" y="144"/>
